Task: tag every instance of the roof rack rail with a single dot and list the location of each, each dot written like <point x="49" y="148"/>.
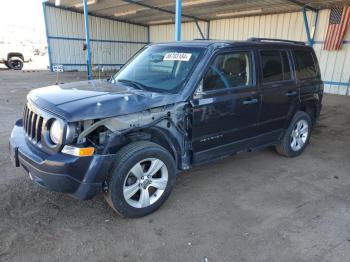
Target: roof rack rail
<point x="257" y="39"/>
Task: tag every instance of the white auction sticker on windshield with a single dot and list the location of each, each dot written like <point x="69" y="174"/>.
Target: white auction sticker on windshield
<point x="177" y="57"/>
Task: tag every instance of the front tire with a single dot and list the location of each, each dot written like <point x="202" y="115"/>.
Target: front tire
<point x="141" y="179"/>
<point x="297" y="136"/>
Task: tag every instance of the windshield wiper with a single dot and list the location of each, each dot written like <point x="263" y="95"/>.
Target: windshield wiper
<point x="135" y="84"/>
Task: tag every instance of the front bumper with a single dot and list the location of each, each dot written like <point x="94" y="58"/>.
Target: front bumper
<point x="82" y="177"/>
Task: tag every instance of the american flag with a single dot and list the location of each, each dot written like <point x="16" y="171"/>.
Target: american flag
<point x="338" y="24"/>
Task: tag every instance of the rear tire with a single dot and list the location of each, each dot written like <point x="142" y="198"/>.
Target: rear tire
<point x="141" y="179"/>
<point x="297" y="135"/>
<point x="15" y="63"/>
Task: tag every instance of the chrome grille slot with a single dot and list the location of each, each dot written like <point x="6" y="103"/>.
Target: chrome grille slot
<point x="29" y="131"/>
<point x="34" y="118"/>
<point x="32" y="124"/>
<point x="25" y="118"/>
<point x="39" y="127"/>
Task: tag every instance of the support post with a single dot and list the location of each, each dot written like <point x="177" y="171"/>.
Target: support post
<point x="177" y="20"/>
<point x="314" y="27"/>
<point x="148" y="35"/>
<point x="47" y="34"/>
<point x="307" y="28"/>
<point x="87" y="39"/>
<point x="199" y="29"/>
<point x="208" y="30"/>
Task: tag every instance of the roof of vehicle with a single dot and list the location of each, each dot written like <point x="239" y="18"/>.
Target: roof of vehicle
<point x="249" y="42"/>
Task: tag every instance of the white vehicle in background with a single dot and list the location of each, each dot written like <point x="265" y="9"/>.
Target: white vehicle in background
<point x="14" y="56"/>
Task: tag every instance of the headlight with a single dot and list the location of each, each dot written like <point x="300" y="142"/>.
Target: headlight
<point x="56" y="131"/>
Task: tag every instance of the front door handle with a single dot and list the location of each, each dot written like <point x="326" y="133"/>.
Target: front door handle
<point x="250" y="101"/>
<point x="291" y="93"/>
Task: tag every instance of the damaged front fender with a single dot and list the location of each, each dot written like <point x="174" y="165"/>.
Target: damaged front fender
<point x="165" y="124"/>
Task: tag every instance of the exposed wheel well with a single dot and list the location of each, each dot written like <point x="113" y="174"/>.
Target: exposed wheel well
<point x="152" y="134"/>
<point x="161" y="139"/>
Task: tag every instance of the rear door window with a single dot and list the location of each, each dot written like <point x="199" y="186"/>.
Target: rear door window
<point x="305" y="63"/>
<point x="275" y="66"/>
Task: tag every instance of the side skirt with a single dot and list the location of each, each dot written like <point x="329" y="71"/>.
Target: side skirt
<point x="246" y="145"/>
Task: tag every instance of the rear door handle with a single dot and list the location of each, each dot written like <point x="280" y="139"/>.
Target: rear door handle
<point x="250" y="101"/>
<point x="291" y="93"/>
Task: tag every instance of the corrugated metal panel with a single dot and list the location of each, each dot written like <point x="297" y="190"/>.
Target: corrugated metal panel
<point x="163" y="33"/>
<point x="334" y="64"/>
<point x="68" y="27"/>
<point x="286" y="26"/>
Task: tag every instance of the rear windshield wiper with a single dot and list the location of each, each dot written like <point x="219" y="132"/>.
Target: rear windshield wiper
<point x="135" y="84"/>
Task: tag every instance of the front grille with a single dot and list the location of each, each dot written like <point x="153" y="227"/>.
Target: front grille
<point x="32" y="124"/>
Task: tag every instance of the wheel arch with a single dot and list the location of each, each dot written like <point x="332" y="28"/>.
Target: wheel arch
<point x="309" y="106"/>
<point x="15" y="54"/>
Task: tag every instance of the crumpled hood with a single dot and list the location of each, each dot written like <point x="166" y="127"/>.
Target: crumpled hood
<point x="96" y="99"/>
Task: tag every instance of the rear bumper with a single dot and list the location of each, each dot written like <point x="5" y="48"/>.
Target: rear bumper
<point x="81" y="177"/>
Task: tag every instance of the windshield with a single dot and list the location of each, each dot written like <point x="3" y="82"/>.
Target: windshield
<point x="159" y="68"/>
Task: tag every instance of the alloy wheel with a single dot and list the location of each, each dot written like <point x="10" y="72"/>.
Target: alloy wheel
<point x="145" y="183"/>
<point x="299" y="135"/>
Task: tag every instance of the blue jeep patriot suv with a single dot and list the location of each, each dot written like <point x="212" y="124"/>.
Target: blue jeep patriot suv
<point x="171" y="107"/>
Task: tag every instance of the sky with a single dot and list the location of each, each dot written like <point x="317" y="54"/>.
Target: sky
<point x="22" y="22"/>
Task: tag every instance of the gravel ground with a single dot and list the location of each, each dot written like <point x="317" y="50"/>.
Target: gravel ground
<point x="251" y="207"/>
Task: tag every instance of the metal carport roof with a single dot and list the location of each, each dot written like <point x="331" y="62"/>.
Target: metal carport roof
<point x="148" y="12"/>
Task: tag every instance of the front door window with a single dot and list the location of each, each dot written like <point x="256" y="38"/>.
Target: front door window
<point x="228" y="70"/>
